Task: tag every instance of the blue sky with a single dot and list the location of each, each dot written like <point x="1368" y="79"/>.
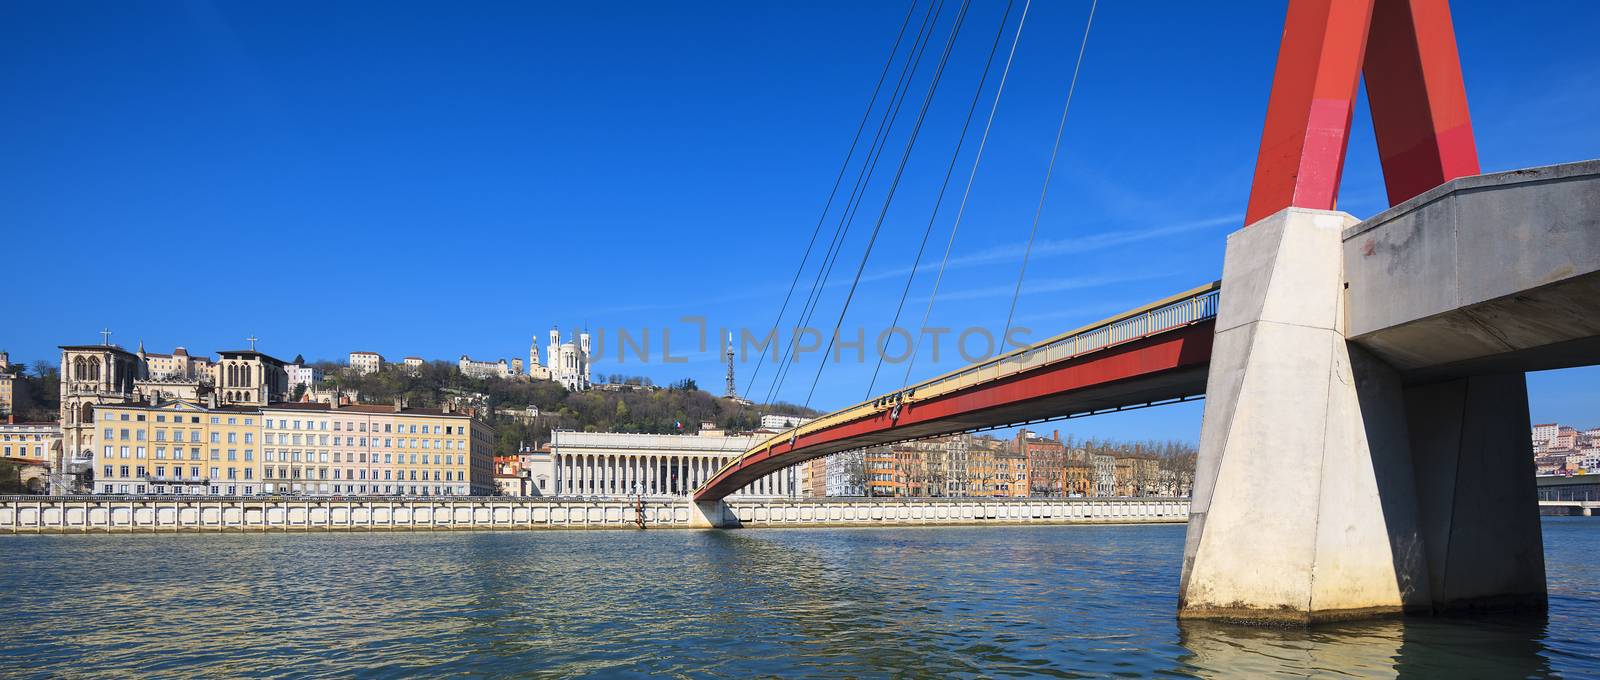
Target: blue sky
<point x="437" y="180"/>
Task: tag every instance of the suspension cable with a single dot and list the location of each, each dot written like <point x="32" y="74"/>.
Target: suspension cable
<point x="927" y="312"/>
<point x="837" y="182"/>
<point x="853" y="209"/>
<point x="938" y="201"/>
<point x="916" y="129"/>
<point x="1060" y="129"/>
<point x="847" y="217"/>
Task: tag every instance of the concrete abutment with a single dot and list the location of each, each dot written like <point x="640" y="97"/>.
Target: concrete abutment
<point x="1326" y="488"/>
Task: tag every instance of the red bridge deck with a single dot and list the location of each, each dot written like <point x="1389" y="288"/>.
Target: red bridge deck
<point x="1155" y="353"/>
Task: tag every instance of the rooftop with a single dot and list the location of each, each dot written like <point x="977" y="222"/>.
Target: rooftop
<point x="104" y="348"/>
<point x="248" y="353"/>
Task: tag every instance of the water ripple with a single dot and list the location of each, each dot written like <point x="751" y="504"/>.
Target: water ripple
<point x="1063" y="602"/>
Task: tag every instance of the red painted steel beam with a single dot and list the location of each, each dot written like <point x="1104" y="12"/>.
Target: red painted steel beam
<point x="1417" y="97"/>
<point x="1308" y="113"/>
<point x="1145" y="359"/>
<point x="1407" y="50"/>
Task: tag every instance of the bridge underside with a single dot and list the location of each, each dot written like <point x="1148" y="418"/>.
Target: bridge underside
<point x="1485" y="275"/>
<point x="1167" y="366"/>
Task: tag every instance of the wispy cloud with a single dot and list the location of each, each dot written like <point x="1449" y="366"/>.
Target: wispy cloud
<point x="1011" y="252"/>
<point x="1049" y="286"/>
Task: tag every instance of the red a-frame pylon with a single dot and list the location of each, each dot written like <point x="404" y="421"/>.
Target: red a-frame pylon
<point x="1407" y="51"/>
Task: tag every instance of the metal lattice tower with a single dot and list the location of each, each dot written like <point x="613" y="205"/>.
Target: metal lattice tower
<point x="732" y="391"/>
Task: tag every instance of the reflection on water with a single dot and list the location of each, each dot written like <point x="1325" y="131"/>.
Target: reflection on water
<point x="1393" y="648"/>
<point x="1014" y="601"/>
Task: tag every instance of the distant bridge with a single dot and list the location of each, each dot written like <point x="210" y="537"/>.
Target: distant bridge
<point x="1583" y="508"/>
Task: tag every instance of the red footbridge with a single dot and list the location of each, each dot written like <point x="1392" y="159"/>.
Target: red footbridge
<point x="1152" y="355"/>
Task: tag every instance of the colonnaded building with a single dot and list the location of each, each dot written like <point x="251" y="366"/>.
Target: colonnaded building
<point x="620" y="464"/>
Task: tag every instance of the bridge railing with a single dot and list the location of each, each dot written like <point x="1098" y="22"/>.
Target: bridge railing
<point x="1178" y="311"/>
<point x="1184" y="309"/>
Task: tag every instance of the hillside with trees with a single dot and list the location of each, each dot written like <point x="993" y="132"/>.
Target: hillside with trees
<point x="618" y="404"/>
<point x="39" y="391"/>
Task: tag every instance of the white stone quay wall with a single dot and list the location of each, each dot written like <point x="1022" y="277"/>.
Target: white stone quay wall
<point x="907" y="511"/>
<point x="111" y="514"/>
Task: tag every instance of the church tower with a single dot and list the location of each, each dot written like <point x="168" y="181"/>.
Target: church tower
<point x="90" y="375"/>
<point x="552" y="351"/>
<point x="568" y="363"/>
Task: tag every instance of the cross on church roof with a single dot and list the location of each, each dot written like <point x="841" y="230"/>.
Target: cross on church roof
<point x="252" y="340"/>
<point x="105" y="337"/>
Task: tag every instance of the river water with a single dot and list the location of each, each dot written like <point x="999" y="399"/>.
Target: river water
<point x="1059" y="601"/>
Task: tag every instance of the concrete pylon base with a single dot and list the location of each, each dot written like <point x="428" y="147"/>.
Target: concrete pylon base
<point x="1307" y="503"/>
<point x="1288" y="522"/>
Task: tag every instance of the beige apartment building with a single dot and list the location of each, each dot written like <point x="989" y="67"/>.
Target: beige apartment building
<point x="181" y="447"/>
<point x="9" y="390"/>
<point x="176" y="447"/>
<point x="365" y="449"/>
<point x="36" y="441"/>
<point x="366" y="362"/>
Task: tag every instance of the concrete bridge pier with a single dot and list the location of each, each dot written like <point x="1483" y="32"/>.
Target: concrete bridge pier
<point x="711" y="515"/>
<point x="1326" y="489"/>
<point x="1478" y="506"/>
